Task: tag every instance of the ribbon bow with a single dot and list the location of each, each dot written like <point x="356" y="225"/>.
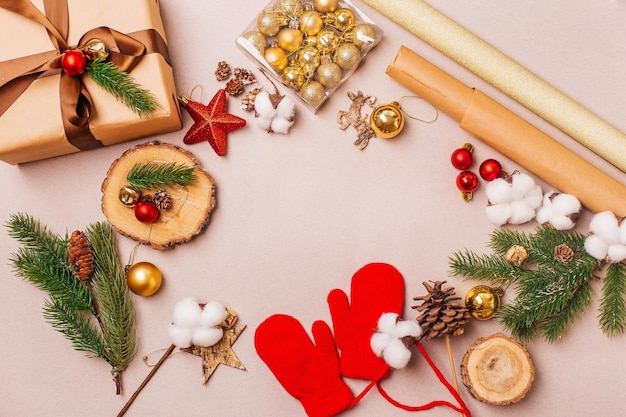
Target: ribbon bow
<point x="125" y="51"/>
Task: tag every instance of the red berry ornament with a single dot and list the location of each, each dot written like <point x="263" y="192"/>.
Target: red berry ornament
<point x="146" y="211"/>
<point x="490" y="169"/>
<point x="74" y="62"/>
<point x="462" y="158"/>
<point x="467" y="181"/>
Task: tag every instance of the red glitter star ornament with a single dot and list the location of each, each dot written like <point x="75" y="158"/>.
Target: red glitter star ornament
<point x="212" y="122"/>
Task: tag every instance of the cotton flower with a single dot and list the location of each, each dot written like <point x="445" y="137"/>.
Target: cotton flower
<point x="274" y="113"/>
<point x="387" y="342"/>
<point x="196" y="325"/>
<point x="559" y="210"/>
<point x="513" y="200"/>
<point x="607" y="240"/>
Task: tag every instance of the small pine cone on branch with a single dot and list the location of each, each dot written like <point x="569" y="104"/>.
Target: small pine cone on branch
<point x="563" y="253"/>
<point x="246" y="76"/>
<point x="441" y="313"/>
<point x="162" y="200"/>
<point x="247" y="102"/>
<point x="234" y="87"/>
<point x="81" y="255"/>
<point x="223" y="71"/>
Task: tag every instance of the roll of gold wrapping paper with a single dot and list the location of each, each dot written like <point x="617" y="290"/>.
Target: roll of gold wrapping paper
<point x="509" y="134"/>
<point x="502" y="72"/>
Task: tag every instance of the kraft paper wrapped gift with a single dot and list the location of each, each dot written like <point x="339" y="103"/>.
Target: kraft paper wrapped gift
<point x="32" y="124"/>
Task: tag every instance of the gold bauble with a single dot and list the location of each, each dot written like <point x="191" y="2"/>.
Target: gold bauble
<point x="347" y="56"/>
<point x="483" y="301"/>
<point x="276" y="58"/>
<point x="313" y="93"/>
<point x="387" y="120"/>
<point x="362" y="35"/>
<point x="289" y="39"/>
<point x="516" y="254"/>
<point x="327" y="41"/>
<point x="144" y="278"/>
<point x="344" y="19"/>
<point x="289" y="7"/>
<point x="326" y="6"/>
<point x="129" y="195"/>
<point x="269" y="22"/>
<point x="309" y="59"/>
<point x="293" y="76"/>
<point x="311" y="22"/>
<point x="257" y="40"/>
<point x="329" y="74"/>
<point x="95" y="50"/>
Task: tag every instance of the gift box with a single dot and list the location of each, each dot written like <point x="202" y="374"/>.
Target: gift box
<point x="34" y="121"/>
<point x="310" y="46"/>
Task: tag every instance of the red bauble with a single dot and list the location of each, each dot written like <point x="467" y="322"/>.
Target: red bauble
<point x="490" y="169"/>
<point x="461" y="158"/>
<point x="74" y="62"/>
<point x="146" y="211"/>
<point x="467" y="181"/>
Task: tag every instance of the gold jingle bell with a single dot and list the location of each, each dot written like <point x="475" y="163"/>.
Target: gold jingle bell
<point x="129" y="195"/>
<point x="483" y="301"/>
<point x="516" y="255"/>
<point x="387" y="120"/>
<point x="96" y="50"/>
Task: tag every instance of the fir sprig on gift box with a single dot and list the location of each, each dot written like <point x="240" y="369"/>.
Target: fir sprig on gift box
<point x="96" y="315"/>
<point x="553" y="285"/>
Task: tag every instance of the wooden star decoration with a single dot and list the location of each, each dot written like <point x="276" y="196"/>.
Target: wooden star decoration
<point x="211" y="122"/>
<point x="221" y="352"/>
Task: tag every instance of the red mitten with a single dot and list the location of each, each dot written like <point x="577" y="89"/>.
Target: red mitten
<point x="376" y="288"/>
<point x="308" y="372"/>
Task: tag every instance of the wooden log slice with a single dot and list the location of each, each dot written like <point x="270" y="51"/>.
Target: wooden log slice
<point x="191" y="208"/>
<point x="497" y="370"/>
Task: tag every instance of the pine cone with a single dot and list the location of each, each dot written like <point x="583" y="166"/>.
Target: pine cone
<point x="234" y="87"/>
<point x="246" y="76"/>
<point x="162" y="200"/>
<point x="563" y="253"/>
<point x="223" y="71"/>
<point x="80" y="255"/>
<point x="442" y="314"/>
<point x="247" y="102"/>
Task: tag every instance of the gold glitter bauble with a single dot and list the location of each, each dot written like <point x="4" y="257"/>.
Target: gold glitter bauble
<point x="347" y="56"/>
<point x="344" y="19"/>
<point x="269" y="22"/>
<point x="313" y="93"/>
<point x="289" y="7"/>
<point x="387" y="120"/>
<point x="329" y="74"/>
<point x="276" y="58"/>
<point x="129" y="195"/>
<point x="516" y="254"/>
<point x="289" y="39"/>
<point x="483" y="301"/>
<point x="326" y="6"/>
<point x="294" y="77"/>
<point x="362" y="35"/>
<point x="257" y="40"/>
<point x="327" y="41"/>
<point x="144" y="278"/>
<point x="311" y="22"/>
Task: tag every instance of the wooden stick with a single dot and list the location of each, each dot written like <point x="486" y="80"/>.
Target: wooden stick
<point x="454" y="380"/>
<point x="156" y="367"/>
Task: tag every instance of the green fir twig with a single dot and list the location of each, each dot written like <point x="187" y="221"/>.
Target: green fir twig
<point x="123" y="87"/>
<point x="153" y="175"/>
<point x="612" y="310"/>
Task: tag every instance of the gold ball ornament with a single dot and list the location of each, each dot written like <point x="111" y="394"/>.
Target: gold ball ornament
<point x="289" y="39"/>
<point x="326" y="6"/>
<point x="294" y="77"/>
<point x="311" y="22"/>
<point x="483" y="301"/>
<point x="144" y="278"/>
<point x="313" y="93"/>
<point x="327" y="41"/>
<point x="362" y="35"/>
<point x="276" y="58"/>
<point x="289" y="7"/>
<point x="257" y="40"/>
<point x="269" y="22"/>
<point x="387" y="120"/>
<point x="347" y="56"/>
<point x="309" y="59"/>
<point x="329" y="74"/>
<point x="344" y="19"/>
<point x="129" y="195"/>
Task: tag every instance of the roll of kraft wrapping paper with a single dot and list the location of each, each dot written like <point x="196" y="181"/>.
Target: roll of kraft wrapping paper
<point x="509" y="134"/>
<point x="502" y="72"/>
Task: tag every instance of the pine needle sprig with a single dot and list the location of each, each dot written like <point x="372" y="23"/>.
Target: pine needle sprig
<point x="496" y="269"/>
<point x="110" y="289"/>
<point x="612" y="310"/>
<point x="123" y="87"/>
<point x="153" y="174"/>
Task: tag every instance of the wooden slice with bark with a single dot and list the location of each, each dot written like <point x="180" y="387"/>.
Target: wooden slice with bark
<point x="497" y="370"/>
<point x="191" y="205"/>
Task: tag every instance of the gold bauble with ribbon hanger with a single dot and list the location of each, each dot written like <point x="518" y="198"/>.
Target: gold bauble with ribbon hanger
<point x="387" y="120"/>
<point x="483" y="301"/>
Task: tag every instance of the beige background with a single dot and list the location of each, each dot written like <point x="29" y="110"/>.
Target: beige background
<point x="298" y="214"/>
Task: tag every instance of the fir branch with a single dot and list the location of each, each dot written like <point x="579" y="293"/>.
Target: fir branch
<point x="110" y="289"/>
<point x="153" y="175"/>
<point x="502" y="239"/>
<point x="553" y="327"/>
<point x="76" y="327"/>
<point x="612" y="310"/>
<point x="123" y="87"/>
<point x="494" y="268"/>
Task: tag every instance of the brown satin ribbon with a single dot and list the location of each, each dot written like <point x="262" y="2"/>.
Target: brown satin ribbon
<point x="125" y="51"/>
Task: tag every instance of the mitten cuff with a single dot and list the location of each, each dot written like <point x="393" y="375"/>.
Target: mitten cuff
<point x="365" y="365"/>
<point x="330" y="402"/>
